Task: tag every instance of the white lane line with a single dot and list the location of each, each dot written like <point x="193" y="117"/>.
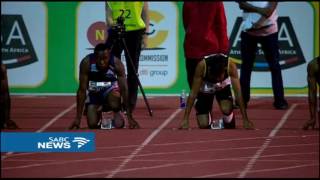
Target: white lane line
<point x="53" y="120"/>
<point x="188" y="142"/>
<point x="146" y="142"/>
<point x="266" y="143"/>
<point x="119" y="158"/>
<point x="183" y="164"/>
<point x="260" y="170"/>
<point x="56" y="118"/>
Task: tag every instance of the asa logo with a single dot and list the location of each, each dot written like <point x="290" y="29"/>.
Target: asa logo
<point x="290" y="51"/>
<point x="16" y="46"/>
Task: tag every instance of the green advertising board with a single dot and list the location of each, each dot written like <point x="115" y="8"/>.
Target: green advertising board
<point x="44" y="42"/>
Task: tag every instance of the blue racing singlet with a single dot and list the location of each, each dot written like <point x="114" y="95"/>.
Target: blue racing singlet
<point x="99" y="80"/>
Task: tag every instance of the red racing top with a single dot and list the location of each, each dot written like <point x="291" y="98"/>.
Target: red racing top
<point x="205" y="26"/>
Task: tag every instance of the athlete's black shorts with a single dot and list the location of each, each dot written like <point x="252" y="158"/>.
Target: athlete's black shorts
<point x="205" y="100"/>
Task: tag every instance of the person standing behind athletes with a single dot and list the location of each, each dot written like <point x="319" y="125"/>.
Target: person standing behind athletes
<point x="5" y="101"/>
<point x="136" y="21"/>
<point x="313" y="78"/>
<point x="205" y="27"/>
<point x="264" y="31"/>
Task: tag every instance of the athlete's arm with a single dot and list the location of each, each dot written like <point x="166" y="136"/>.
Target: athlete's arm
<point x="122" y="81"/>
<point x="312" y="90"/>
<point x="145" y="15"/>
<point x="81" y="92"/>
<point x="233" y="73"/>
<point x="266" y="12"/>
<point x="146" y="19"/>
<point x="109" y="18"/>
<point x="196" y="84"/>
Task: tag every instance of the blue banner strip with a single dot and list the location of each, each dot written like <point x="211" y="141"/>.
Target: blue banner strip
<point x="48" y="142"/>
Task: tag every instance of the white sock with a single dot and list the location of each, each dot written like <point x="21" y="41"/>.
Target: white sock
<point x="227" y="118"/>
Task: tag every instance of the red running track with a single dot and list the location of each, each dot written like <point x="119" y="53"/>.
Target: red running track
<point x="277" y="148"/>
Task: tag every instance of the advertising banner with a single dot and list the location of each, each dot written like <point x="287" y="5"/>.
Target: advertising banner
<point x="296" y="43"/>
<point x="43" y="43"/>
<point x="158" y="61"/>
<point x="24" y="42"/>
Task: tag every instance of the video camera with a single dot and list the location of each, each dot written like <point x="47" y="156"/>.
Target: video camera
<point x="119" y="28"/>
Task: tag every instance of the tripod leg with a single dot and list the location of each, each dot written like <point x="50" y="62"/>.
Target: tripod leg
<point x="137" y="76"/>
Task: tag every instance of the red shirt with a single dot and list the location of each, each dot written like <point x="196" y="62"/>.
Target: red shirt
<point x="206" y="29"/>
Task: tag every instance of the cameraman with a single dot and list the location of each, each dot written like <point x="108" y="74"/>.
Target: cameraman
<point x="136" y="24"/>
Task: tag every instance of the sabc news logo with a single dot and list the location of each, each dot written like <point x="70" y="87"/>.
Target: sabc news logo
<point x="47" y="142"/>
<point x="63" y="143"/>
